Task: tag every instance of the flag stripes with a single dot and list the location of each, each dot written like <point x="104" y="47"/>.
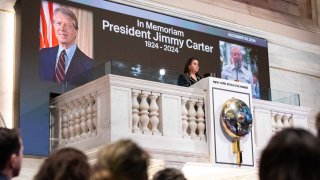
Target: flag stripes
<point x="47" y="32"/>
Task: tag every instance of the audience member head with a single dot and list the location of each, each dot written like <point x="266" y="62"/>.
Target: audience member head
<point x="292" y="154"/>
<point x="11" y="155"/>
<point x="169" y="174"/>
<point x="318" y="124"/>
<point x="236" y="56"/>
<point x="122" y="160"/>
<point x="191" y="66"/>
<point x="66" y="164"/>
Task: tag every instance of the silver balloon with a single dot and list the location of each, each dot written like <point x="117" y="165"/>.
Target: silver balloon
<point x="236" y="118"/>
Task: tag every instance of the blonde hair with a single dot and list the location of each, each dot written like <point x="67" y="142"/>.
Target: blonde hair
<point x="122" y="160"/>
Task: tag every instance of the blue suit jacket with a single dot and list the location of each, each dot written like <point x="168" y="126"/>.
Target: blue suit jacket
<point x="3" y="177"/>
<point x="77" y="71"/>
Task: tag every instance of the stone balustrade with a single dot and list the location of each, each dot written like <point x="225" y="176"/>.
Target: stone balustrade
<point x="145" y="115"/>
<point x="168" y="120"/>
<point x="280" y="120"/>
<point x="271" y="117"/>
<point x="78" y="118"/>
<point x="114" y="107"/>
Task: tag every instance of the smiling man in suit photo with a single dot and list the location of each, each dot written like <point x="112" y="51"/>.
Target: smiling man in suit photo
<point x="65" y="63"/>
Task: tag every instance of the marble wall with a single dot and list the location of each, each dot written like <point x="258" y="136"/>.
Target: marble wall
<point x="297" y="13"/>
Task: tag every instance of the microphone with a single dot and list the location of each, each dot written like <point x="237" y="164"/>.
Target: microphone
<point x="209" y="75"/>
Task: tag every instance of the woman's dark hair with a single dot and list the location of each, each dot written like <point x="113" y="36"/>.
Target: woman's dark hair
<point x="186" y="66"/>
<point x="66" y="164"/>
<point x="291" y="154"/>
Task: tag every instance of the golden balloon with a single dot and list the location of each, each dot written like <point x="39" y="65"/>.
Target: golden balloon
<point x="236" y="118"/>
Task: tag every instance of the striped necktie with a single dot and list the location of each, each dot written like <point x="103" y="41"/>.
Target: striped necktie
<point x="60" y="69"/>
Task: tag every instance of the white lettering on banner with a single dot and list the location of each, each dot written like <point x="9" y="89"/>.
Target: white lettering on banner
<point x="242" y="37"/>
<point x="167" y="39"/>
<point x="170" y="30"/>
<point x="199" y="46"/>
<point x="157" y="37"/>
<point x="126" y="30"/>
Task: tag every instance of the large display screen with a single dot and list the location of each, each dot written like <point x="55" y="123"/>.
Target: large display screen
<point x="90" y="33"/>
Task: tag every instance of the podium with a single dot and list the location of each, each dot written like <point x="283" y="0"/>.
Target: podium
<point x="217" y="93"/>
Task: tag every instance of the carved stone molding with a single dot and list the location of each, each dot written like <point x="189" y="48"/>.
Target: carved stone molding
<point x="301" y="14"/>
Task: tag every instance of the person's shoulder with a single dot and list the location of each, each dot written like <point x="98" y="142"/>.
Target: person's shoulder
<point x="82" y="55"/>
<point x="44" y="51"/>
<point x="49" y="49"/>
<point x="227" y="68"/>
<point x="183" y="80"/>
<point x="82" y="59"/>
<point x="183" y="75"/>
<point x="246" y="72"/>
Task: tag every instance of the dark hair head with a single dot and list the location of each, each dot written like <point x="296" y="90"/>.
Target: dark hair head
<point x="67" y="12"/>
<point x="122" y="160"/>
<point x="9" y="144"/>
<point x="291" y="154"/>
<point x="169" y="174"/>
<point x="186" y="66"/>
<point x="66" y="164"/>
<point x="318" y="124"/>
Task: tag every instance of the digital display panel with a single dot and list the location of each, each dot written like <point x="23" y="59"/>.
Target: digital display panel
<point x="111" y="31"/>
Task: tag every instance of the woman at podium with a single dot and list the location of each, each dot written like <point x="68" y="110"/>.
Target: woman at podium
<point x="190" y="74"/>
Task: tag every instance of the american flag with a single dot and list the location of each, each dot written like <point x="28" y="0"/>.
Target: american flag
<point x="47" y="34"/>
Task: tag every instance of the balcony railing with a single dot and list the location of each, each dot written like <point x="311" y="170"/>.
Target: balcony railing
<point x="167" y="76"/>
<point x="168" y="120"/>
